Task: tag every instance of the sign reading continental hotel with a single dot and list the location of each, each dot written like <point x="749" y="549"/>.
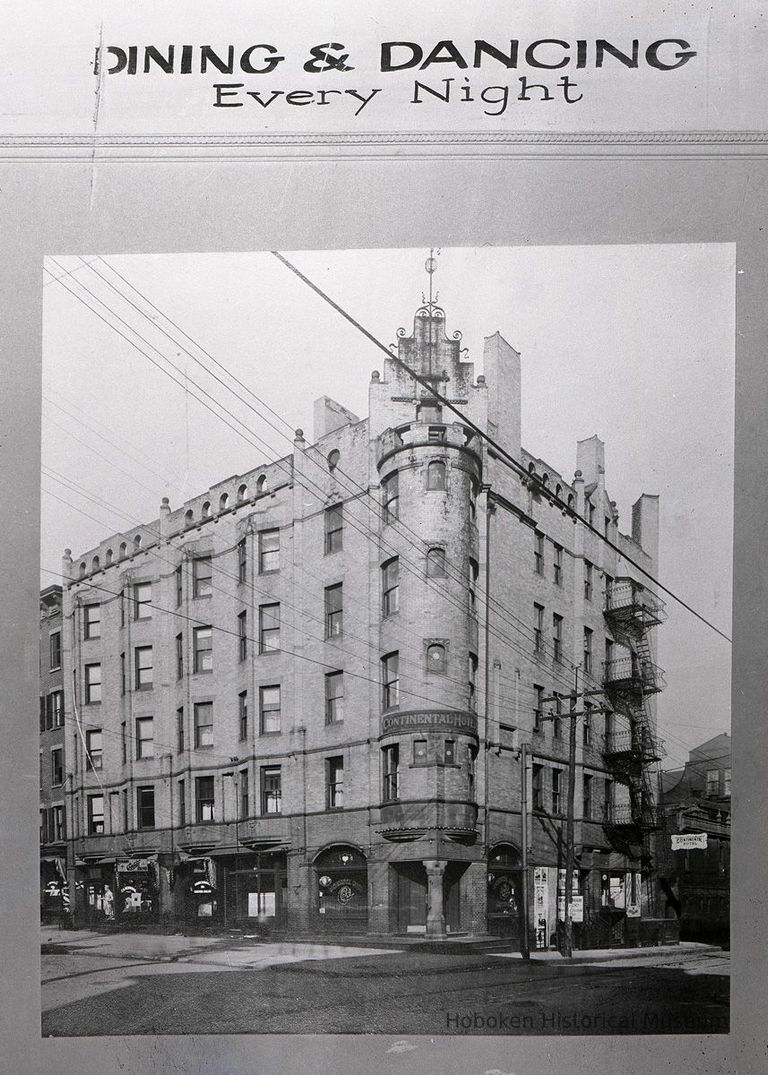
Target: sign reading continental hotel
<point x="688" y="841"/>
<point x="448" y="720"/>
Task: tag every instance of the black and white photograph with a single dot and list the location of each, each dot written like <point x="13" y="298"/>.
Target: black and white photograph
<point x="385" y="613"/>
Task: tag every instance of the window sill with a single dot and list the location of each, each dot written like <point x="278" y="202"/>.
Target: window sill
<point x="203" y="672"/>
<point x="268" y="652"/>
<point x="203" y="746"/>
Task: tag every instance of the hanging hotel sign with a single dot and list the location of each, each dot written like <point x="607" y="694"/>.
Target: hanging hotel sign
<point x="688" y="841"/>
<point x="449" y="720"/>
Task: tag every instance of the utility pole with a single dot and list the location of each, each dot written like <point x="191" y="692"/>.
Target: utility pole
<point x="525" y="949"/>
<point x="569" y="830"/>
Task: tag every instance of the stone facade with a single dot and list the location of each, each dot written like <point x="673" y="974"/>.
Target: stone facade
<point x="311" y="682"/>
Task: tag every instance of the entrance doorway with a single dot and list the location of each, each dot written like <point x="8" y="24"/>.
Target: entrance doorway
<point x="341" y="874"/>
<point x="504" y="892"/>
<point x="411" y="896"/>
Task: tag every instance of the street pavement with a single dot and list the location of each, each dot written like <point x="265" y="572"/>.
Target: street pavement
<point x="102" y="984"/>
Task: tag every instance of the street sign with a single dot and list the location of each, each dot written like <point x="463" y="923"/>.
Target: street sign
<point x="689" y="841"/>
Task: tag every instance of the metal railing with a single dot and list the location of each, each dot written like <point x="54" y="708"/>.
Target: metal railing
<point x="632" y="673"/>
<point x="626" y="600"/>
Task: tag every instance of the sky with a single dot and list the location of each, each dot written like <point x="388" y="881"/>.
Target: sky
<point x="634" y="343"/>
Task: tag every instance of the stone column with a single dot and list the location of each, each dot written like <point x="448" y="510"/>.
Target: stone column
<point x="435" y="917"/>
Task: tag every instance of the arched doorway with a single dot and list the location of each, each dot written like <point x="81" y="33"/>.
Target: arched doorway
<point x="341" y="875"/>
<point x="505" y="898"/>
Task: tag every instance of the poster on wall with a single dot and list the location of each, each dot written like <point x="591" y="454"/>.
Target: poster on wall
<point x="369" y="375"/>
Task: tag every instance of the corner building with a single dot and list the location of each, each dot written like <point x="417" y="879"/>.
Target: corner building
<point x="310" y="684"/>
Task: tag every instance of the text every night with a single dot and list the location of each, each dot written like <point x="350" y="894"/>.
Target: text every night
<point x="496" y="98"/>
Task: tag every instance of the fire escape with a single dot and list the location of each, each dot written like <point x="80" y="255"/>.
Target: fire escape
<point x="634" y="752"/>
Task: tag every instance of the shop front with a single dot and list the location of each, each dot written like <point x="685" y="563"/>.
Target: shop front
<point x="54" y="893"/>
<point x="253" y="890"/>
<point x="505" y="893"/>
<point x="411" y="894"/>
<point x="136" y="900"/>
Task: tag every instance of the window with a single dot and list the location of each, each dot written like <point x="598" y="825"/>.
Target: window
<point x="608" y="801"/>
<point x="727" y="783"/>
<point x="242" y="702"/>
<point x="271" y="791"/>
<point x="472" y="502"/>
<point x="179" y="656"/>
<point x="390" y="488"/>
<point x="390" y="586"/>
<point x="203" y="643"/>
<point x="269" y="628"/>
<point x="245" y="796"/>
<point x="607" y="525"/>
<point x="587" y="650"/>
<point x="333" y="459"/>
<point x="557" y="637"/>
<point x="180" y="729"/>
<point x="420" y="756"/>
<point x="145" y="808"/>
<point x="557" y="723"/>
<point x="557" y="566"/>
<point x="608" y="655"/>
<point x="713" y="782"/>
<point x="92" y="621"/>
<point x="587" y="796"/>
<point x="125" y="809"/>
<point x="182" y="794"/>
<point x="242" y="561"/>
<point x="124" y="742"/>
<point x="436" y="434"/>
<point x="59" y="833"/>
<point x="123" y="675"/>
<point x="95" y="815"/>
<point x="203" y="725"/>
<point x="204" y="799"/>
<point x="145" y="737"/>
<point x="269" y="551"/>
<point x="538" y="553"/>
<point x="536" y="783"/>
<point x="390" y="680"/>
<point x="333" y="610"/>
<point x="242" y="636"/>
<point x="242" y="493"/>
<point x="92" y="683"/>
<point x="587" y="726"/>
<point x="142" y="600"/>
<point x="334" y="528"/>
<point x="334" y="783"/>
<point x="587" y="580"/>
<point x="202" y="576"/>
<point x="449" y="752"/>
<point x="436" y="659"/>
<point x="55" y="650"/>
<point x="334" y="697"/>
<point x="54" y="710"/>
<point x="391" y="772"/>
<point x="206" y="510"/>
<point x="474" y="571"/>
<point x="436" y="564"/>
<point x="590" y="513"/>
<point x="472" y="680"/>
<point x="144" y="672"/>
<point x="539" y="707"/>
<point x="179" y="584"/>
<point x="436" y="475"/>
<point x="557" y="791"/>
<point x="57" y="766"/>
<point x="538" y="627"/>
<point x="93" y="749"/>
<point x="269" y="710"/>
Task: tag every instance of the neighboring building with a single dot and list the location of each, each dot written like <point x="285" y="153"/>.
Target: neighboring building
<point x="53" y="832"/>
<point x="696" y="802"/>
<point x="302" y="709"/>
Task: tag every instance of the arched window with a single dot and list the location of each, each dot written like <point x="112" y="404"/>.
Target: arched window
<point x="436" y="564"/>
<point x="436" y="661"/>
<point x="570" y="500"/>
<point x="558" y="490"/>
<point x="242" y="493"/>
<point x="95" y="564"/>
<point x="82" y="568"/>
<point x="545" y="479"/>
<point x="206" y="512"/>
<point x="333" y="459"/>
<point x="531" y="468"/>
<point x="137" y="542"/>
<point x="436" y="475"/>
<point x="262" y="481"/>
<point x="223" y="501"/>
<point x="189" y="517"/>
<point x="123" y="550"/>
<point x="109" y="557"/>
